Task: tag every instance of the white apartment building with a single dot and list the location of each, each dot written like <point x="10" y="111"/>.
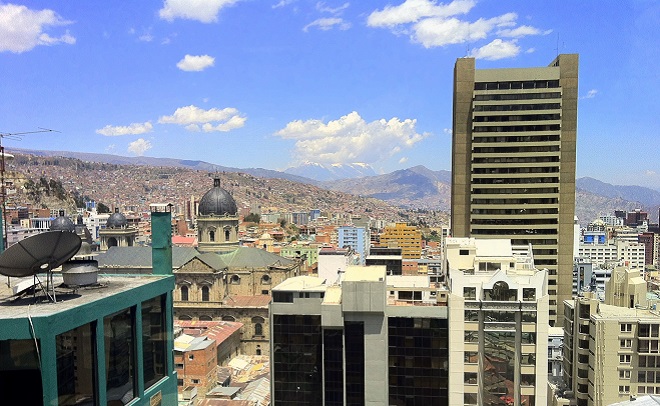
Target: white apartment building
<point x="499" y="321"/>
<point x="628" y="253"/>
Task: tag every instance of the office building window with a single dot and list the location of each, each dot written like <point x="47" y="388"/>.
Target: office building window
<point x="76" y="363"/>
<point x="120" y="356"/>
<point x="154" y="336"/>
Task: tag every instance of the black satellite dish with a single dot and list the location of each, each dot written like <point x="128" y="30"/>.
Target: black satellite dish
<point x="39" y="253"/>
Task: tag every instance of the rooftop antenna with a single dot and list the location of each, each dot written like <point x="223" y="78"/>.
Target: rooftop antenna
<point x="3" y="195"/>
<point x="557" y="48"/>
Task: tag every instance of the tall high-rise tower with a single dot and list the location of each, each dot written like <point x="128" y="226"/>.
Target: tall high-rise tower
<point x="513" y="161"/>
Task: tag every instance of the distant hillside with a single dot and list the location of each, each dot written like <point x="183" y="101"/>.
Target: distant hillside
<point x="410" y="189"/>
<point x="168" y="162"/>
<point x="646" y="196"/>
<point x="416" y="188"/>
<point x="140" y="185"/>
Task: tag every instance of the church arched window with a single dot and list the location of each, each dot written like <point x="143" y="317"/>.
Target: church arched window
<point x="184" y="293"/>
<point x="211" y="235"/>
<point x="205" y="293"/>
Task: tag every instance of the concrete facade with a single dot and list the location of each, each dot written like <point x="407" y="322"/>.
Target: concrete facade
<point x="498" y="313"/>
<point x="513" y="161"/>
<point x="373" y="340"/>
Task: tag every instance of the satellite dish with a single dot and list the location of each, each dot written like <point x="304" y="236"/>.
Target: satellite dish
<point x="39" y="253"/>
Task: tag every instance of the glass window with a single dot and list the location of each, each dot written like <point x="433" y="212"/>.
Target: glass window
<point x="500" y="292"/>
<point x="471" y="315"/>
<point x="119" y="356"/>
<point x="529" y="294"/>
<point x="184" y="293"/>
<point x="19" y="363"/>
<point x="154" y="336"/>
<point x="205" y="293"/>
<point x="471" y="357"/>
<point x="470" y="293"/>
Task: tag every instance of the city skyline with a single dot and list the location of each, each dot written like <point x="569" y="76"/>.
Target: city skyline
<point x="272" y="84"/>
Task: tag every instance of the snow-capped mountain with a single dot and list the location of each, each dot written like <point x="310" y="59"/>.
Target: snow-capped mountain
<point x="322" y="172"/>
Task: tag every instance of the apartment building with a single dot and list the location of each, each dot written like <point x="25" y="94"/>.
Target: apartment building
<point x="356" y="238"/>
<point x="631" y="254"/>
<point x="513" y="161"/>
<point x="611" y="349"/>
<point x="403" y="236"/>
<point x="498" y="312"/>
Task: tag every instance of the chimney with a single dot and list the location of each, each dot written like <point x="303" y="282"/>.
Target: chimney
<point x="161" y="238"/>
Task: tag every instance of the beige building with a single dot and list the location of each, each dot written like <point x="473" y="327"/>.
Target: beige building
<point x="513" y="161"/>
<point x="611" y="349"/>
<point x="403" y="236"/>
<point x="498" y="318"/>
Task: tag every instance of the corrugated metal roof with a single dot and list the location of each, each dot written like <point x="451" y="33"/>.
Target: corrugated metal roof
<point x="186" y="342"/>
<point x="257" y="391"/>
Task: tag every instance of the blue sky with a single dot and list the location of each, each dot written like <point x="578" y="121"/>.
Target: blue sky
<point x="272" y="83"/>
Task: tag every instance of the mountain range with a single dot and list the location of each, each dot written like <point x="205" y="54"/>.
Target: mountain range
<point x="414" y="188"/>
<point x="321" y="172"/>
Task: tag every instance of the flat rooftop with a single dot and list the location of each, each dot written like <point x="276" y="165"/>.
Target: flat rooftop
<point x="38" y="305"/>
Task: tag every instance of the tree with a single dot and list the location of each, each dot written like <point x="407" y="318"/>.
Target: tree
<point x="252" y="218"/>
<point x="102" y="208"/>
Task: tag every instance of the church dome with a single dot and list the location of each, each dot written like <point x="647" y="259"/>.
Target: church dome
<point x="217" y="201"/>
<point x="116" y="220"/>
<point x="62" y="223"/>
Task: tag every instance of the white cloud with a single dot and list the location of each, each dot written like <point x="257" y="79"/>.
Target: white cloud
<point x="132" y="129"/>
<point x="197" y="119"/>
<point x="522" y="31"/>
<point x="139" y="146"/>
<point x="411" y="11"/>
<point x="192" y="63"/>
<point x="205" y="11"/>
<point x="350" y="139"/>
<point x="434" y="24"/>
<point x="320" y="6"/>
<point x="403" y="160"/>
<point x="530" y="50"/>
<point x="435" y="32"/>
<point x="283" y="3"/>
<point x="22" y="29"/>
<point x="326" y="24"/>
<point x="590" y="94"/>
<point x="447" y="131"/>
<point x="497" y="49"/>
<point x="146" y="37"/>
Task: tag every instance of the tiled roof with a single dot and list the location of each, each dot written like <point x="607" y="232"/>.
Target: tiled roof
<point x="140" y="257"/>
<point x="248" y="257"/>
<point x="213" y="260"/>
<point x="247" y="301"/>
